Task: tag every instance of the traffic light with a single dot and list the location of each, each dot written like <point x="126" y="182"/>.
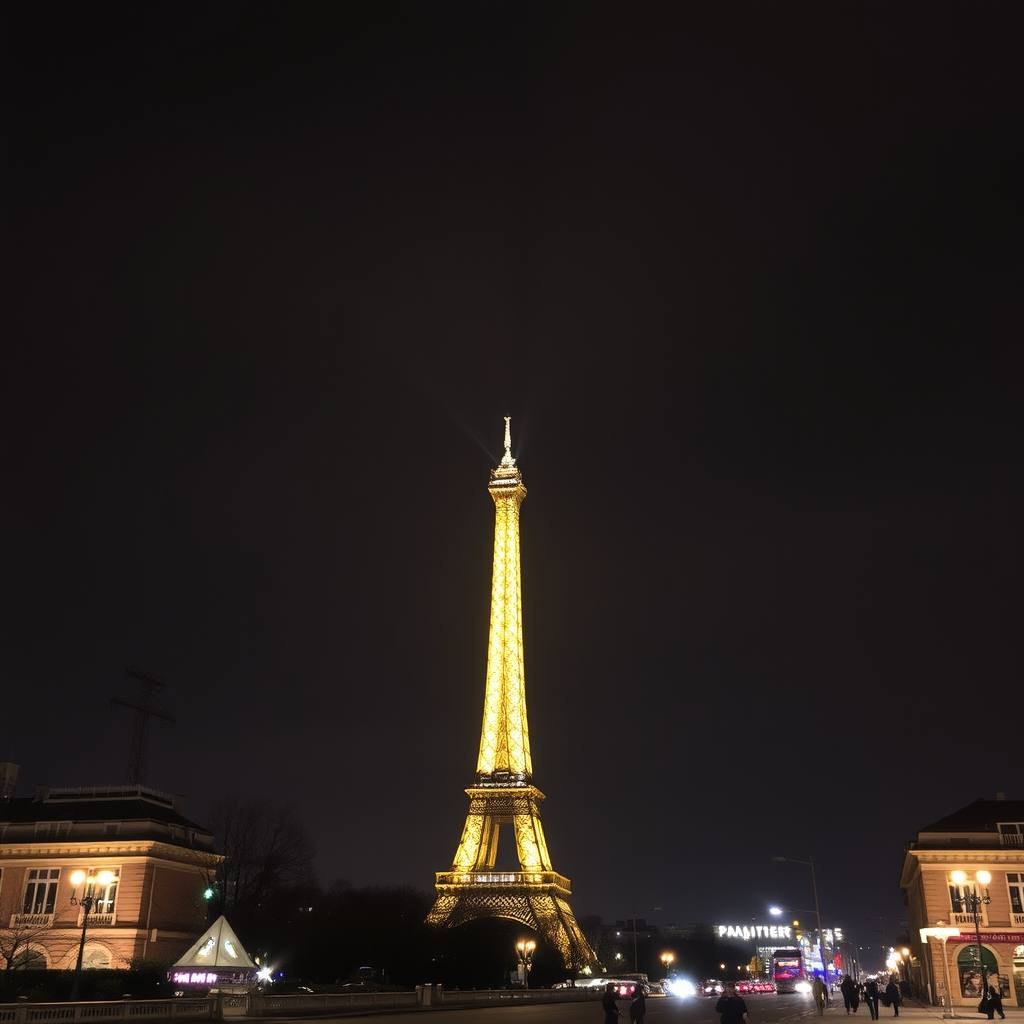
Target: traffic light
<point x="208" y="893"/>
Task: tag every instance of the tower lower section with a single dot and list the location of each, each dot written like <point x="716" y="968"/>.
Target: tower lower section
<point x="533" y="898"/>
<point x="536" y="896"/>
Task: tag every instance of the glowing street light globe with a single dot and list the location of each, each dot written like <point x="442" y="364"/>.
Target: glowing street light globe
<point x="983" y="876"/>
<point x="77" y="878"/>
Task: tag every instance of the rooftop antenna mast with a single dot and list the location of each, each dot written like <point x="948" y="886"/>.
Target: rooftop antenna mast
<point x="144" y="711"/>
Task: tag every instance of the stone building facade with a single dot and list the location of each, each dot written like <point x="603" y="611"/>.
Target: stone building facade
<point x="940" y="868"/>
<point x="151" y="904"/>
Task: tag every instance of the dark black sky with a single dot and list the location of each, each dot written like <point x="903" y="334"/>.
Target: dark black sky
<point x="747" y="277"/>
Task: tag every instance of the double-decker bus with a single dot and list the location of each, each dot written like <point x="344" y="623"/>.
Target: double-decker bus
<point x="787" y="970"/>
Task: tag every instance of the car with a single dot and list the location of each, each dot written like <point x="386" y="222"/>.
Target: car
<point x="710" y="987"/>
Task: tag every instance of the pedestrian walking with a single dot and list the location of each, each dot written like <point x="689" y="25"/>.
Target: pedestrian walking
<point x="731" y="1006"/>
<point x="638" y="1005"/>
<point x="849" y="990"/>
<point x="893" y="997"/>
<point x="993" y="1003"/>
<point x="608" y="1004"/>
<point x="871" y="995"/>
<point x="820" y="994"/>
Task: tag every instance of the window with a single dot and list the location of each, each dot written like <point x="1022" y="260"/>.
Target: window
<point x="29" y="959"/>
<point x="96" y="957"/>
<point x="41" y="890"/>
<point x="1015" y="883"/>
<point x="106" y="895"/>
<point x="956" y="898"/>
<point x="1011" y="833"/>
<point x="52" y="829"/>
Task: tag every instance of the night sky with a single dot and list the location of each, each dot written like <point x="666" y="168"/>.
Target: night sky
<point x="747" y="277"/>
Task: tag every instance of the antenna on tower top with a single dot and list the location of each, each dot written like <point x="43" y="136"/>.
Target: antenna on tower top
<point x="506" y="459"/>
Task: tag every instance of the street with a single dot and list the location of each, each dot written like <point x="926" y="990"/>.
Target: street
<point x="764" y="1009"/>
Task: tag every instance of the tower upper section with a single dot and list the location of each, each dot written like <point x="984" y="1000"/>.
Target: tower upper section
<point x="505" y="739"/>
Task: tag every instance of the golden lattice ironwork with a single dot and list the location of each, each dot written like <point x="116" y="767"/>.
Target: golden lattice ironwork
<point x="504" y="795"/>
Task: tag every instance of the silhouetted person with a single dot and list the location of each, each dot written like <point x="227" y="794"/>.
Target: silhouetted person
<point x="731" y="1006"/>
<point x="638" y="1004"/>
<point x="871" y="995"/>
<point x="892" y="994"/>
<point x="820" y="994"/>
<point x="611" y="1011"/>
<point x="994" y="1001"/>
<point x="849" y="990"/>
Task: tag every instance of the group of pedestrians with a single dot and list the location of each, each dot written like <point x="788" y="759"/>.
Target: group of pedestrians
<point x="871" y="993"/>
<point x="637" y="1005"/>
<point x="734" y="1010"/>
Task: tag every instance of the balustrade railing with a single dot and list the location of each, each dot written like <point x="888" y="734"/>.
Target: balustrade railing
<point x="32" y="920"/>
<point x="97" y="1013"/>
<point x="98" y="920"/>
<point x="967" y="920"/>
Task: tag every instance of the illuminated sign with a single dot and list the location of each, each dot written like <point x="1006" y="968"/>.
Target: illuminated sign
<point x="755" y="931"/>
<point x="194" y="977"/>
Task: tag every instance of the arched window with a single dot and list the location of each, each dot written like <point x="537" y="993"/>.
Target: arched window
<point x="31" y="958"/>
<point x="96" y="957"/>
<point x="969" y="970"/>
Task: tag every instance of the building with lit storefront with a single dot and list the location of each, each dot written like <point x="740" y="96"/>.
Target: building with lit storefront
<point x="154" y="864"/>
<point x="976" y="851"/>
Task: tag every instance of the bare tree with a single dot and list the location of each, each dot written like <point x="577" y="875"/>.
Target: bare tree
<point x="265" y="848"/>
<point x="15" y="943"/>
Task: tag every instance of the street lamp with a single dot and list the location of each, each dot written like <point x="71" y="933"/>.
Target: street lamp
<point x="667" y="959"/>
<point x="524" y="949"/>
<point x="809" y="863"/>
<point x="974" y="903"/>
<point x="90" y="885"/>
<point x="775" y="911"/>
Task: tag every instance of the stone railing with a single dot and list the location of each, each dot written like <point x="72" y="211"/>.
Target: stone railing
<point x="32" y="920"/>
<point x="519" y="995"/>
<point x="97" y="920"/>
<point x="966" y="920"/>
<point x="97" y="1013"/>
<point x="325" y="1002"/>
<point x="425" y="995"/>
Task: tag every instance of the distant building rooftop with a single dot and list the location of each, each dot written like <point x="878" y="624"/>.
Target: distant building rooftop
<point x="992" y="823"/>
<point x="84" y="812"/>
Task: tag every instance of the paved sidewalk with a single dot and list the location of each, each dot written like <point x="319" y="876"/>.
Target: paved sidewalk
<point x="918" y="1014"/>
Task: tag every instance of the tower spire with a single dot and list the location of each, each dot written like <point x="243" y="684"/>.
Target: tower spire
<point x="506" y="460"/>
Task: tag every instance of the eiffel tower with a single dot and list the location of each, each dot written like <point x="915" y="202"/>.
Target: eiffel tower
<point x="504" y="794"/>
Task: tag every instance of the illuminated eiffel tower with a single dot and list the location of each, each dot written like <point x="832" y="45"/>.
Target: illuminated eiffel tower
<point x="504" y="794"/>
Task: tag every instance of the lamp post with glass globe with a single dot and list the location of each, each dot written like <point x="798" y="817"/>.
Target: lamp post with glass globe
<point x="667" y="959"/>
<point x="524" y="950"/>
<point x="90" y="884"/>
<point x="974" y="903"/>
